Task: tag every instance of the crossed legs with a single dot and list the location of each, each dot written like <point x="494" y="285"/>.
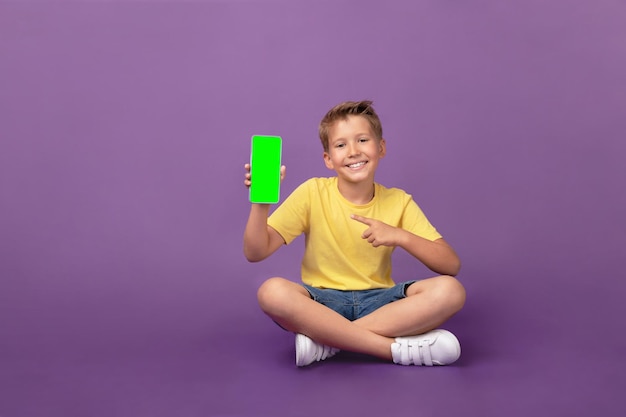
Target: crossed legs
<point x="428" y="304"/>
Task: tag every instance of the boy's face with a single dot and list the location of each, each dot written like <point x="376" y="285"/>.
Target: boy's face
<point x="353" y="150"/>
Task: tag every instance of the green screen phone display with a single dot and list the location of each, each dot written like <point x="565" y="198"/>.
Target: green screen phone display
<point x="265" y="160"/>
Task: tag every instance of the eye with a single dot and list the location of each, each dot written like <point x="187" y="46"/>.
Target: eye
<point x="339" y="145"/>
<point x="363" y="140"/>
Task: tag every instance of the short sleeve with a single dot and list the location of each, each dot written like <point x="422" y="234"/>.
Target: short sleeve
<point x="291" y="218"/>
<point x="414" y="220"/>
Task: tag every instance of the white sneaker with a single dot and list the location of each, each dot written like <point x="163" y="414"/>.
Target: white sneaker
<point x="308" y="351"/>
<point x="437" y="347"/>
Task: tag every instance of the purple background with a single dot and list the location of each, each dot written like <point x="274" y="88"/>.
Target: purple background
<point x="124" y="127"/>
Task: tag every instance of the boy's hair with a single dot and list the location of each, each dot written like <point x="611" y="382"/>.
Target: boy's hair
<point x="350" y="108"/>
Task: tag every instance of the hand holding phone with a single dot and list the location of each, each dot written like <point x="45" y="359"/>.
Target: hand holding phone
<point x="265" y="163"/>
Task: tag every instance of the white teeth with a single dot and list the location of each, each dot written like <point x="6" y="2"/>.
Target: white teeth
<point x="358" y="164"/>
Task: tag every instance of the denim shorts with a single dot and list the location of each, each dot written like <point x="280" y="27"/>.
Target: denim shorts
<point x="356" y="304"/>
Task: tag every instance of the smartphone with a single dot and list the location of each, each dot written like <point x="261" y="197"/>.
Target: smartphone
<point x="265" y="162"/>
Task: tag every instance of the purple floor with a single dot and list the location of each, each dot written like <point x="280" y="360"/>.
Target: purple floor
<point x="124" y="127"/>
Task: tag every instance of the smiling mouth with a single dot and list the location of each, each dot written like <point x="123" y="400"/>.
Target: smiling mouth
<point x="357" y="164"/>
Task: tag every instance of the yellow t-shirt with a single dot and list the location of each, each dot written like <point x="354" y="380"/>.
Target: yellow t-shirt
<point x="335" y="255"/>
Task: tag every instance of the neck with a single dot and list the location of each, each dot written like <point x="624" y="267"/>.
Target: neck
<point x="358" y="194"/>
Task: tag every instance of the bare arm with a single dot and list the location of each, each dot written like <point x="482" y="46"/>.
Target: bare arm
<point x="437" y="255"/>
<point x="259" y="239"/>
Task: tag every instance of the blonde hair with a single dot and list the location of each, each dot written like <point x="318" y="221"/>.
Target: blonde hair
<point x="349" y="108"/>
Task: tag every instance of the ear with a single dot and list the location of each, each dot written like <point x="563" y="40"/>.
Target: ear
<point x="382" y="147"/>
<point x="327" y="161"/>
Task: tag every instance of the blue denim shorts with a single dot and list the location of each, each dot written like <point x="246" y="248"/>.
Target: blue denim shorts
<point x="356" y="304"/>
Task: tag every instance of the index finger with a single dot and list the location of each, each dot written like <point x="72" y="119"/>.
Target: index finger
<point x="361" y="219"/>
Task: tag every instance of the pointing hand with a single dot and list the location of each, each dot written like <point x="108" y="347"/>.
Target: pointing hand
<point x="377" y="232"/>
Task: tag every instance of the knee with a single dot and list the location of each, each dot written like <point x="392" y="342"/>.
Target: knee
<point x="450" y="291"/>
<point x="271" y="292"/>
<point x="455" y="292"/>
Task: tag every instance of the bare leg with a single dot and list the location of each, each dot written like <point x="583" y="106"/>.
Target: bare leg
<point x="290" y="305"/>
<point x="429" y="303"/>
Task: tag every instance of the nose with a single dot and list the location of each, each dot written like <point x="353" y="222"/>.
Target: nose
<point x="353" y="149"/>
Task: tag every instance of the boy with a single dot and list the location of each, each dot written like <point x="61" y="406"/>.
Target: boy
<point x="348" y="299"/>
